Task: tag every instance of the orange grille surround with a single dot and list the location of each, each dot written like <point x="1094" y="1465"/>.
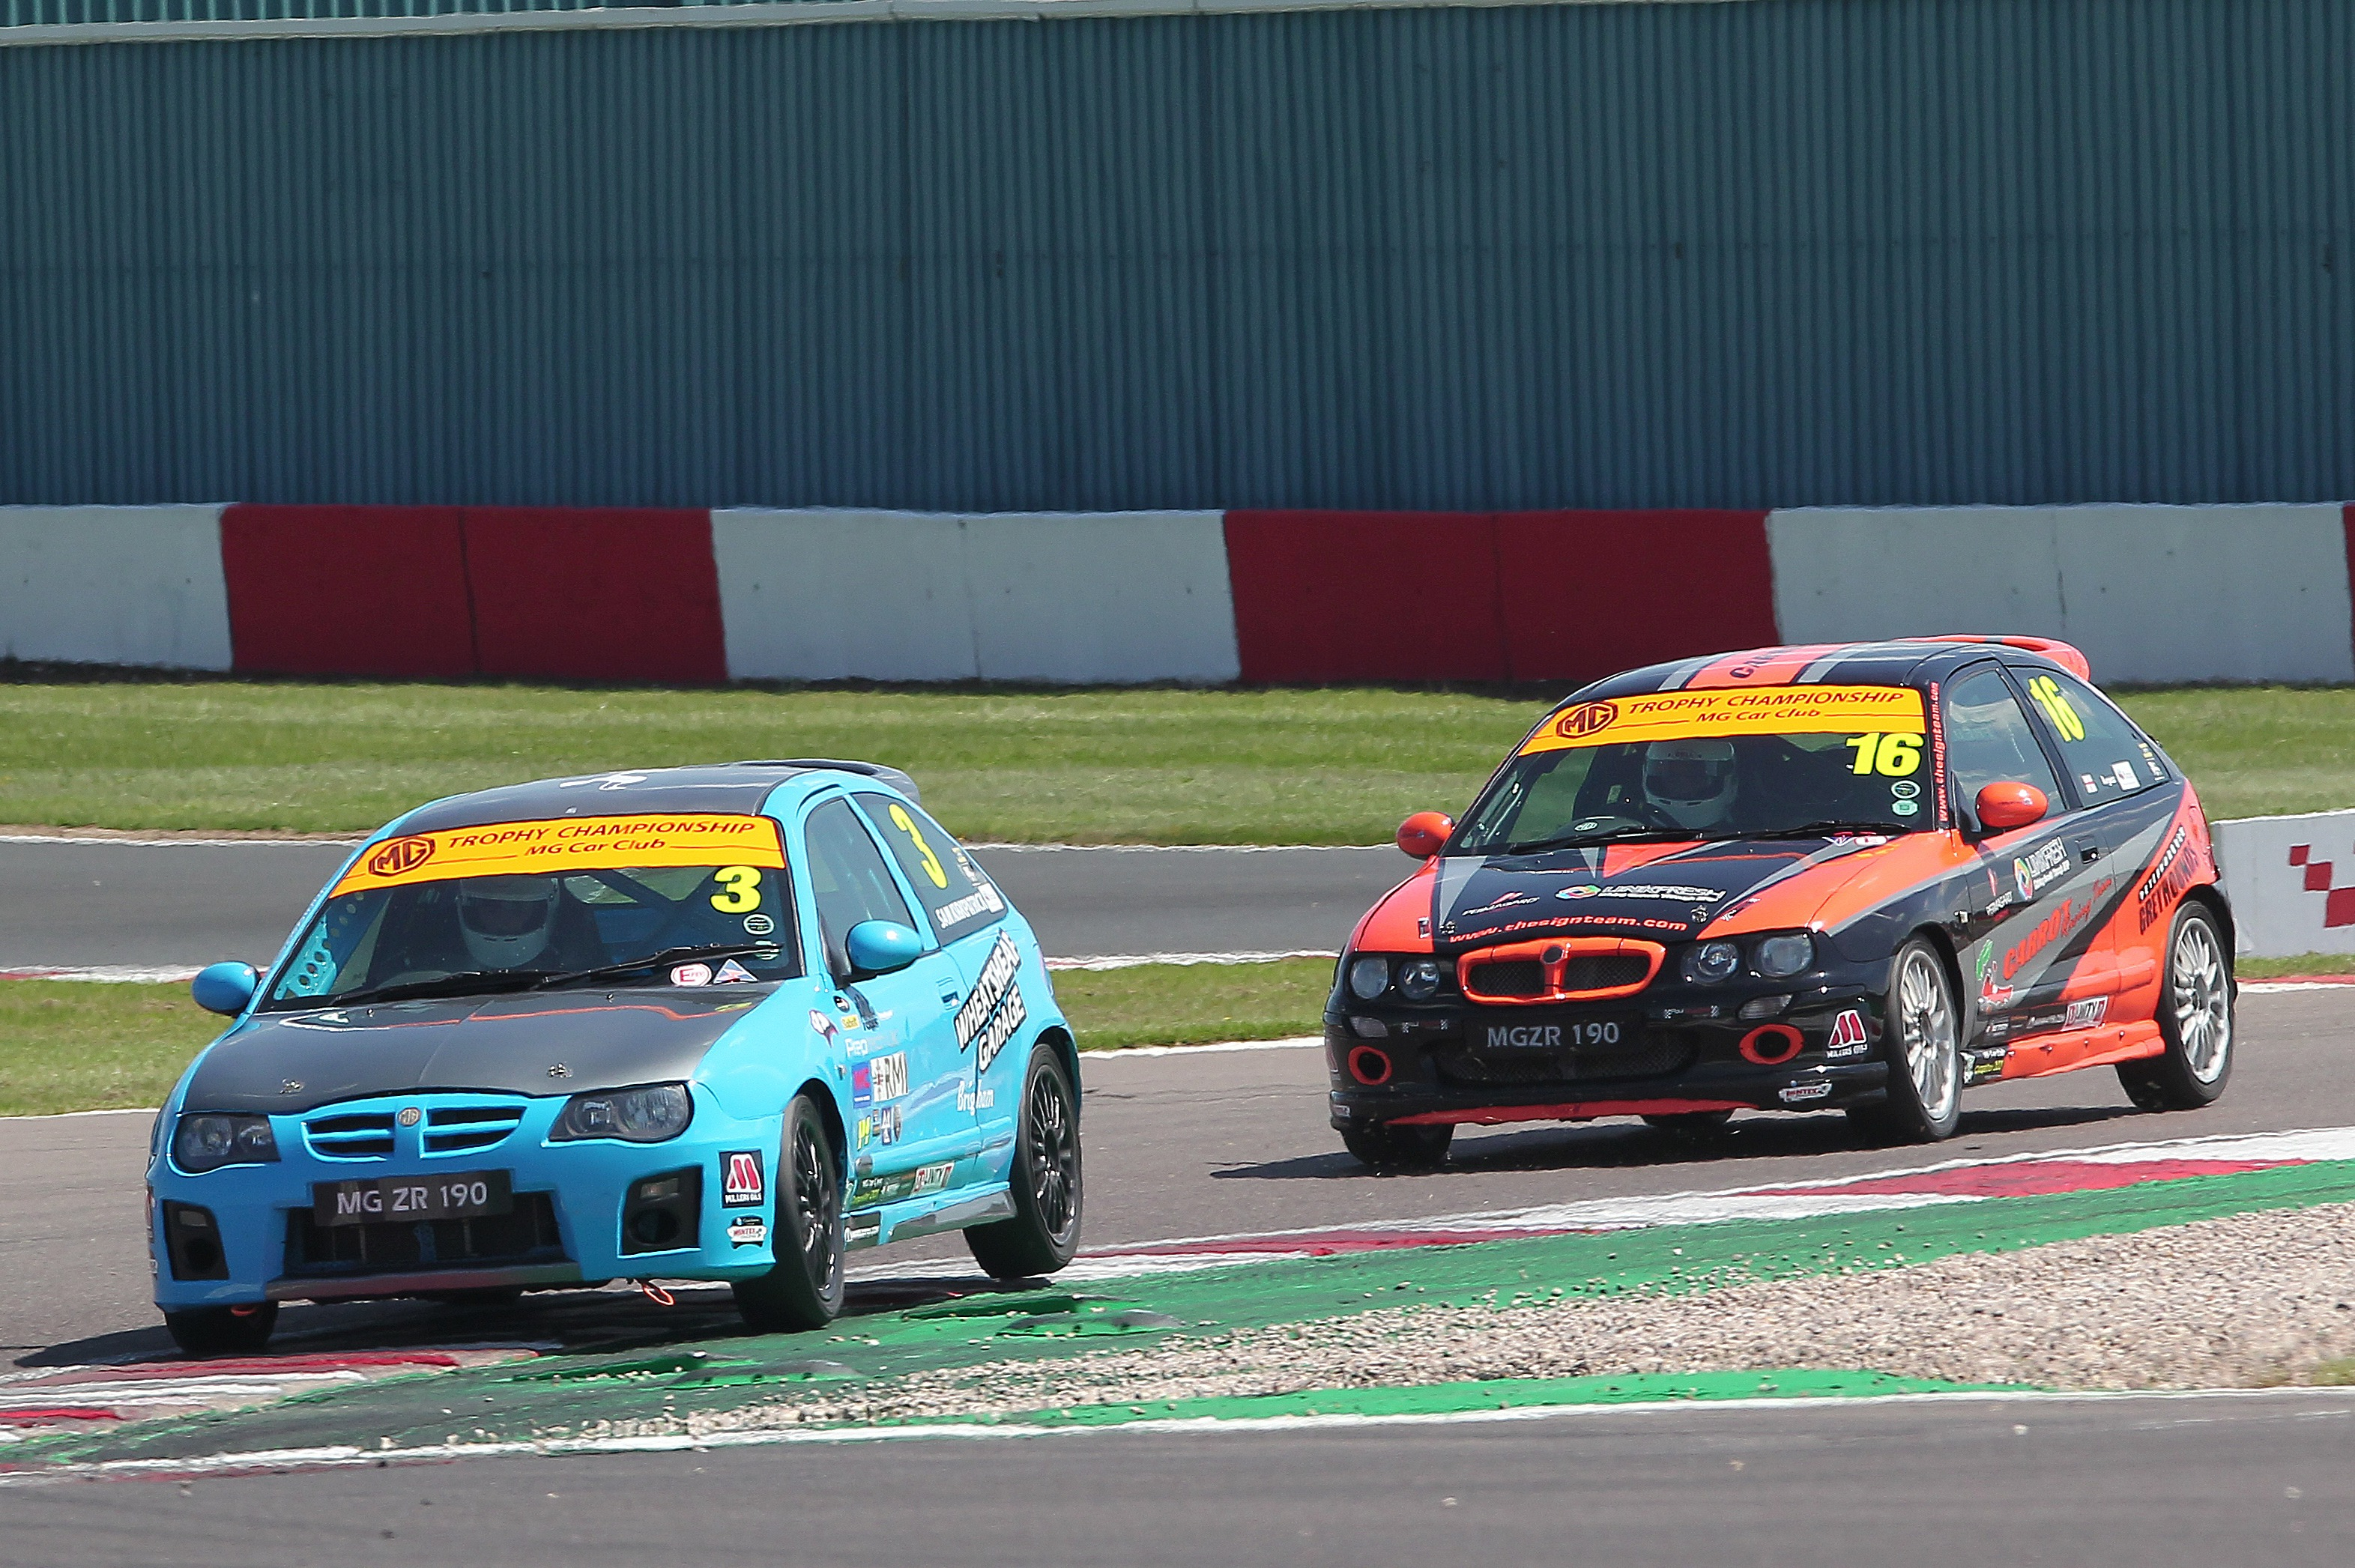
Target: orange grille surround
<point x="1553" y="954"/>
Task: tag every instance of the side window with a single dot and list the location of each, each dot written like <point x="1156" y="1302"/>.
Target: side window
<point x="852" y="882"/>
<point x="1988" y="740"/>
<point x="954" y="892"/>
<point x="2107" y="756"/>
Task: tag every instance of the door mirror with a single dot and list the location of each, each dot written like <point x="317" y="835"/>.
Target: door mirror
<point x="224" y="988"/>
<point x="2006" y="806"/>
<point x="880" y="948"/>
<point x="1421" y="834"/>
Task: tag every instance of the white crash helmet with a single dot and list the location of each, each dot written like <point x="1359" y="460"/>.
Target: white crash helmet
<point x="506" y="920"/>
<point x="1691" y="782"/>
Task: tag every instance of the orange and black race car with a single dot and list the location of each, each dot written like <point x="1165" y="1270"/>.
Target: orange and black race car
<point x="1863" y="877"/>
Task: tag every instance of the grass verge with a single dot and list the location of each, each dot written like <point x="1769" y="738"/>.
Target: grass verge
<point x="68" y="1045"/>
<point x="1162" y="766"/>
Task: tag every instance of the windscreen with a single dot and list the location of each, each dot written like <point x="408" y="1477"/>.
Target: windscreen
<point x="1681" y="765"/>
<point x="691" y="899"/>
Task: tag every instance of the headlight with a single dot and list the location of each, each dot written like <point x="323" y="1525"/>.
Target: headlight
<point x="647" y="1116"/>
<point x="1419" y="980"/>
<point x="1368" y="978"/>
<point x="208" y="1141"/>
<point x="1711" y="962"/>
<point x="1785" y="955"/>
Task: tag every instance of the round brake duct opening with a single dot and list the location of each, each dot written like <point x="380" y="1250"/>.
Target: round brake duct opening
<point x="1368" y="1066"/>
<point x="1771" y="1045"/>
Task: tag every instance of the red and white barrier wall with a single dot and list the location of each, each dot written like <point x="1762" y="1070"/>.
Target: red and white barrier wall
<point x="2151" y="593"/>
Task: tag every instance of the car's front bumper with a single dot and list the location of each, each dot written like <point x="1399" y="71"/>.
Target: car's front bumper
<point x="566" y="1227"/>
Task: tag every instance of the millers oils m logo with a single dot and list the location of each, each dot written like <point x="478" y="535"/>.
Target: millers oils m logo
<point x="1585" y="720"/>
<point x="401" y="855"/>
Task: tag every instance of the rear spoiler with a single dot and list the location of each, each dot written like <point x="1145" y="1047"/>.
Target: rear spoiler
<point x="2059" y="652"/>
<point x="889" y="775"/>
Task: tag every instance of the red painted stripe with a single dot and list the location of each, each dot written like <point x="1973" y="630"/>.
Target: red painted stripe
<point x="596" y="596"/>
<point x="1587" y="594"/>
<point x="1345" y="596"/>
<point x="436" y="593"/>
<point x="58" y="1413"/>
<point x="347" y="591"/>
<point x="2033" y="1178"/>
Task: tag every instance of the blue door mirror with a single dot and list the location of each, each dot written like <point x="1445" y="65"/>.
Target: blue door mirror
<point x="224" y="988"/>
<point x="880" y="948"/>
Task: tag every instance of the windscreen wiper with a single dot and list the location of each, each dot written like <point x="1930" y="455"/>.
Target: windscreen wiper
<point x="1825" y="829"/>
<point x="465" y="982"/>
<point x="655" y="961"/>
<point x="1631" y="836"/>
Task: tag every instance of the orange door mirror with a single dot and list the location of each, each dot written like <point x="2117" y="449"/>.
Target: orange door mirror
<point x="2003" y="807"/>
<point x="1421" y="834"/>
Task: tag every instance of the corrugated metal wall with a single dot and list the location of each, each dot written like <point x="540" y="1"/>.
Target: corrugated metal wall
<point x="1774" y="252"/>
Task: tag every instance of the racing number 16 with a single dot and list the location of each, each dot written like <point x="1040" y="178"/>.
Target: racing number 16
<point x="1894" y="755"/>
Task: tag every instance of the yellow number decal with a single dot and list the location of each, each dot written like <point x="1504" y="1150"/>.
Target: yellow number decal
<point x="907" y="825"/>
<point x="740" y="890"/>
<point x="1896" y="755"/>
<point x="2055" y="703"/>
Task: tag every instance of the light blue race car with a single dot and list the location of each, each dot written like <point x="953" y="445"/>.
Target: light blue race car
<point x="716" y="1023"/>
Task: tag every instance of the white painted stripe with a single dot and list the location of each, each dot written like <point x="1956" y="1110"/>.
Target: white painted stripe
<point x="136" y="842"/>
<point x="2149" y="593"/>
<point x="2333" y="1400"/>
<point x="1062" y="597"/>
<point x="1138" y="960"/>
<point x="1136" y="1052"/>
<point x="108" y="974"/>
<point x="2274" y="987"/>
<point x="123" y="585"/>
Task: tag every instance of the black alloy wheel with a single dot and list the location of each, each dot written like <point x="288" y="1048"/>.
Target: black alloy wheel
<point x="2195" y="1019"/>
<point x="1385" y="1145"/>
<point x="804" y="1288"/>
<point x="206" y="1331"/>
<point x="1045" y="1182"/>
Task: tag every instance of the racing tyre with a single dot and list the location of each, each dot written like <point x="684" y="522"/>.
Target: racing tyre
<point x="1690" y="1124"/>
<point x="1385" y="1147"/>
<point x="1924" y="1041"/>
<point x="2195" y="1019"/>
<point x="1045" y="1180"/>
<point x="206" y="1331"/>
<point x="804" y="1288"/>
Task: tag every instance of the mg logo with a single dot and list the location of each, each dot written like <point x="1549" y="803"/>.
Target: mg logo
<point x="401" y="855"/>
<point x="410" y="1115"/>
<point x="1585" y="720"/>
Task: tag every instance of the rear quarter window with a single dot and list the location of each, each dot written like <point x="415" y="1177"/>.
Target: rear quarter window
<point x="2107" y="758"/>
<point x="957" y="895"/>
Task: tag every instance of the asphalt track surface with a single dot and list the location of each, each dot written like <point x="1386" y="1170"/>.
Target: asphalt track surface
<point x="93" y="902"/>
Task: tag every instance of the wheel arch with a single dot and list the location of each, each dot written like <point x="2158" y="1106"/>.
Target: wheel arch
<point x="821" y="1096"/>
<point x="1067" y="1051"/>
<point x="2209" y="898"/>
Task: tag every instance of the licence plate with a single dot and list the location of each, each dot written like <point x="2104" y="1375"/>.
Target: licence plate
<point x="461" y="1195"/>
<point x="1556" y="1032"/>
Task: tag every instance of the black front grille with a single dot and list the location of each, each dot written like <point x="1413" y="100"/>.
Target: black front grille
<point x="1513" y="978"/>
<point x="459" y="1129"/>
<point x="528" y="1236"/>
<point x="1475" y="1067"/>
<point x="365" y="1136"/>
<point x="1604" y="971"/>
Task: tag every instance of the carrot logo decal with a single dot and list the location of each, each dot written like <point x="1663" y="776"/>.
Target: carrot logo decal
<point x="1585" y="720"/>
<point x="401" y="855"/>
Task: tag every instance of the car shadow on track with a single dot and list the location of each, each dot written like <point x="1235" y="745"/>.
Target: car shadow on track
<point x="1627" y="1145"/>
<point x="600" y="1321"/>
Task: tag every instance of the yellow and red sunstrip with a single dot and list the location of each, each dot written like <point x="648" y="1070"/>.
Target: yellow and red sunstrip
<point x="1743" y="710"/>
<point x="560" y="844"/>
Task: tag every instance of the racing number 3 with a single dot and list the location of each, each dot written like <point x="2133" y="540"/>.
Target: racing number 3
<point x="1895" y="756"/>
<point x="740" y="890"/>
<point x="933" y="867"/>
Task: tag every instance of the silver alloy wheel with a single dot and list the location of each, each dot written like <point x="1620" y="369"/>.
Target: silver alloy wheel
<point x="1925" y="1027"/>
<point x="2203" y="1001"/>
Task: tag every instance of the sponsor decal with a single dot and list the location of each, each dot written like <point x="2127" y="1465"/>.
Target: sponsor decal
<point x="2073" y="913"/>
<point x="1800" y="1093"/>
<point x="731" y="973"/>
<point x="2123" y="772"/>
<point x="2169" y="878"/>
<point x="982" y="900"/>
<point x="1983" y="1066"/>
<point x="1848" y="1038"/>
<point x="741" y="1182"/>
<point x="2040" y="869"/>
<point x="921" y="1182"/>
<point x="931" y="1178"/>
<point x="2088" y="1012"/>
<point x="860" y="1230"/>
<point x="890" y="1074"/>
<point x="1555" y="922"/>
<point x="748" y="1231"/>
<point x="1423" y="927"/>
<point x="567" y="844"/>
<point x="1767" y="710"/>
<point x="971" y="1099"/>
<point x="825" y="1027"/>
<point x="691" y="975"/>
<point x="862" y="1085"/>
<point x="1904" y="807"/>
<point x="1644" y="891"/>
<point x="989" y="1018"/>
<point x="887" y="1124"/>
<point x="1502" y="901"/>
<point x="759" y="925"/>
<point x="605" y="782"/>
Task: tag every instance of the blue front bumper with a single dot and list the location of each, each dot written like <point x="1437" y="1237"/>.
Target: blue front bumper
<point x="567" y="1227"/>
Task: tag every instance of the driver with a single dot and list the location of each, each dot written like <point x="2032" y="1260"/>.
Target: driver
<point x="1691" y="782"/>
<point x="508" y="922"/>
